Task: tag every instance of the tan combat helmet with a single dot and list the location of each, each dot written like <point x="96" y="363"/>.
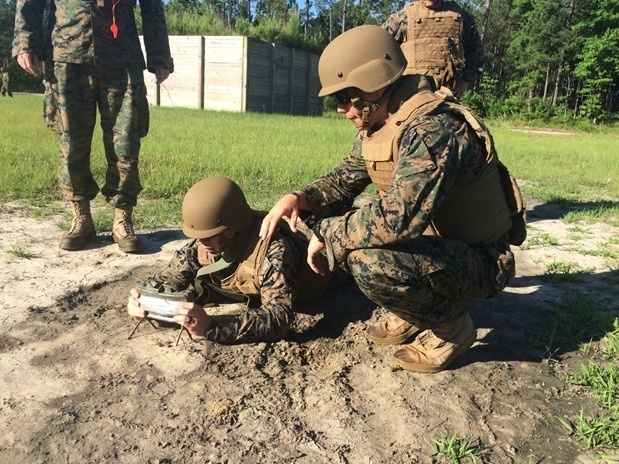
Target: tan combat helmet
<point x="213" y="205"/>
<point x="366" y="57"/>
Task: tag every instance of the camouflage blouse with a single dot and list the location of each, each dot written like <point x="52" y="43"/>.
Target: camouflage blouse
<point x="82" y="32"/>
<point x="271" y="320"/>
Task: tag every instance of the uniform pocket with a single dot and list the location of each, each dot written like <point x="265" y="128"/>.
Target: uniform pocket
<point x="51" y="115"/>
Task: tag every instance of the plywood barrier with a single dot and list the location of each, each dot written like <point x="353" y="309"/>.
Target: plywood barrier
<point x="237" y="73"/>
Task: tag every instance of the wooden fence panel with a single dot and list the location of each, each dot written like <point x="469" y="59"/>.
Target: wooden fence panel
<point x="183" y="87"/>
<point x="235" y="73"/>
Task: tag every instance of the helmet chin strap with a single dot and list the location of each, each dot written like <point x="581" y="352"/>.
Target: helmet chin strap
<point x="366" y="108"/>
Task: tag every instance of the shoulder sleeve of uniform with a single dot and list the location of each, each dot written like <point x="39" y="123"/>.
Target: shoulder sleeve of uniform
<point x="396" y="25"/>
<point x="156" y="41"/>
<point x="181" y="271"/>
<point x="334" y="193"/>
<point x="28" y="32"/>
<point x="272" y="319"/>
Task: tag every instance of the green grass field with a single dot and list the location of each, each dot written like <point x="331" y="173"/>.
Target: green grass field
<point x="271" y="154"/>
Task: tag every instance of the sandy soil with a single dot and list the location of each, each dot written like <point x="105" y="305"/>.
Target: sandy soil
<point x="75" y="389"/>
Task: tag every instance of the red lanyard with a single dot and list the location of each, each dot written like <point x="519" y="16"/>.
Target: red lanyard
<point x="114" y="27"/>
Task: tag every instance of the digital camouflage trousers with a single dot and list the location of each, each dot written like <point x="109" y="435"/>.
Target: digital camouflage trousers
<point x="426" y="280"/>
<point x="73" y="92"/>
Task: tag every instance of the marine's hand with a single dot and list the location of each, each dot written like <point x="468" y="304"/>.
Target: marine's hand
<point x="133" y="305"/>
<point x="287" y="206"/>
<point x="461" y="87"/>
<point x="161" y="74"/>
<point x="30" y="63"/>
<point x="193" y="318"/>
<point x="313" y="255"/>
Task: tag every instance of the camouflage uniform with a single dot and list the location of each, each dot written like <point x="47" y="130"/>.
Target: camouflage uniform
<point x="6" y="89"/>
<point x="87" y="67"/>
<point x="470" y="41"/>
<point x="422" y="279"/>
<point x="277" y="286"/>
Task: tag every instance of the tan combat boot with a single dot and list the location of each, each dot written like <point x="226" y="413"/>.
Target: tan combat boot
<point x="82" y="228"/>
<point x="393" y="331"/>
<point x="122" y="231"/>
<point x="435" y="349"/>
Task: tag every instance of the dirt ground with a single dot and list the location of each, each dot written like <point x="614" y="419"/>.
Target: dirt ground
<point x="75" y="389"/>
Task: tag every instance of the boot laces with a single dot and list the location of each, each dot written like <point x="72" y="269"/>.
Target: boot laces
<point x="80" y="221"/>
<point x="429" y="340"/>
<point x="126" y="224"/>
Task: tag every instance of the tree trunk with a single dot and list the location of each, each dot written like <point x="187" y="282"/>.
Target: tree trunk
<point x="307" y="8"/>
<point x="555" y="94"/>
<point x="330" y="22"/>
<point x="344" y="16"/>
<point x="546" y="84"/>
<point x="484" y="25"/>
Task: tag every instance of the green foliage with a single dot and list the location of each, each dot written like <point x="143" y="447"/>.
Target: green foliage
<point x="546" y="60"/>
<point x="20" y="252"/>
<point x="7" y="20"/>
<point x="204" y="22"/>
<point x="577" y="321"/>
<point x="20" y="80"/>
<point x="458" y="450"/>
<point x="599" y="430"/>
<point x="610" y="343"/>
<point x="540" y="157"/>
<point x="536" y="46"/>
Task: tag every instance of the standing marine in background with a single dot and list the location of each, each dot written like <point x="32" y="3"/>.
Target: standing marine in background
<point x="439" y="39"/>
<point x="6" y="81"/>
<point x="93" y="59"/>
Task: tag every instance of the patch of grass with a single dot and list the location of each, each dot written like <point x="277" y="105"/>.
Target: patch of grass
<point x="561" y="272"/>
<point x="39" y="209"/>
<point x="20" y="252"/>
<point x="578" y="321"/>
<point x="458" y="450"/>
<point x="586" y="348"/>
<point x="577" y="232"/>
<point x="602" y="380"/>
<point x="582" y="319"/>
<point x="540" y="239"/>
<point x="267" y="155"/>
<point x="604" y="211"/>
<point x="544" y="337"/>
<point x="541" y="160"/>
<point x="599" y="430"/>
<point x="610" y="343"/>
<point x="150" y="214"/>
<point x="605" y="250"/>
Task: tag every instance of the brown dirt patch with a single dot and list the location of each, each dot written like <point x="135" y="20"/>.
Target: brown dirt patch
<point x="73" y="388"/>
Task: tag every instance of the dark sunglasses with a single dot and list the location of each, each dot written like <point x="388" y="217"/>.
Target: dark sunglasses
<point x="342" y="97"/>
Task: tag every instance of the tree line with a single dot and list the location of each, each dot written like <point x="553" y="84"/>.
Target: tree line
<point x="545" y="59"/>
